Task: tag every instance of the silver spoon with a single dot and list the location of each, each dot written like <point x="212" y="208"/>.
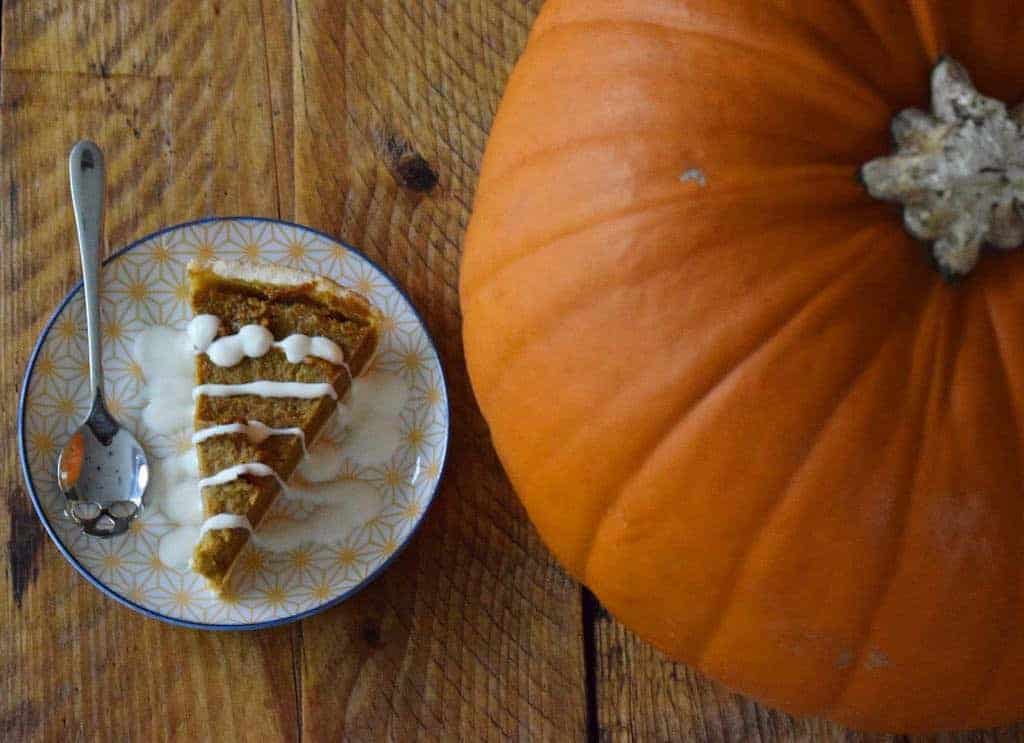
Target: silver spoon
<point x="102" y="471"/>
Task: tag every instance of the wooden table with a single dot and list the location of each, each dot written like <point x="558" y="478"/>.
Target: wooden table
<point x="366" y="119"/>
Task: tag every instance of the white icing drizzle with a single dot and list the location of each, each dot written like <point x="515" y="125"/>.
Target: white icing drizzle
<point x="230" y="474"/>
<point x="225" y="429"/>
<point x="337" y="509"/>
<point x="255" y="431"/>
<point x="323" y="462"/>
<point x="297" y="347"/>
<point x="167" y="368"/>
<point x="348" y="371"/>
<point x="225" y="521"/>
<point x="253" y="341"/>
<point x="202" y="329"/>
<point x="176" y="546"/>
<point x="303" y="390"/>
<point x="375" y="422"/>
<point x="234" y="520"/>
<point x="332" y="508"/>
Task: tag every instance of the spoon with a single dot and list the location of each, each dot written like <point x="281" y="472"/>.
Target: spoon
<point x="102" y="470"/>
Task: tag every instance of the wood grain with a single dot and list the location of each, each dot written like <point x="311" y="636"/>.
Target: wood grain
<point x="366" y="119"/>
<point x="475" y="633"/>
<point x="149" y="83"/>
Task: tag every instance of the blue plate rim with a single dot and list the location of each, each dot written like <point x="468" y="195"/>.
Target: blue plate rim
<point x="96" y="582"/>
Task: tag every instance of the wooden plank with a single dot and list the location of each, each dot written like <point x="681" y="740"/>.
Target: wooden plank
<point x="166" y="88"/>
<point x="474" y="633"/>
<point x="641" y="695"/>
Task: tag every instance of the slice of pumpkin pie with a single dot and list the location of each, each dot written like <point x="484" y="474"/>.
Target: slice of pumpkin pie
<point x="276" y="348"/>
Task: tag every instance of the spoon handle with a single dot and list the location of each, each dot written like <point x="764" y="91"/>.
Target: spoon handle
<point x="88" y="181"/>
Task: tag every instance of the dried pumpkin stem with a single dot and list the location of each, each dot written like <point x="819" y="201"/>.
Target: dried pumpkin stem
<point x="958" y="171"/>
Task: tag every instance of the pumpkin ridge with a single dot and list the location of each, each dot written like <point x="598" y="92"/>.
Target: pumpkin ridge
<point x="1013" y="608"/>
<point x="821" y="68"/>
<point x="899" y="549"/>
<point x="869" y="23"/>
<point x="545" y="153"/>
<point x="1007" y="380"/>
<point x="842" y="168"/>
<point x="680" y="415"/>
<point x="900" y="543"/>
<point x="928" y="29"/>
<point x="765" y="522"/>
<point x="832" y="49"/>
<point x="990" y="683"/>
<point x="824" y="169"/>
<point x="529" y="248"/>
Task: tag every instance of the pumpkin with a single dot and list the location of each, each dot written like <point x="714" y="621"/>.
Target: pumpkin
<point x="777" y="434"/>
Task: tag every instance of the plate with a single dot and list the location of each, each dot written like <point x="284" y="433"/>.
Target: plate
<point x="144" y="285"/>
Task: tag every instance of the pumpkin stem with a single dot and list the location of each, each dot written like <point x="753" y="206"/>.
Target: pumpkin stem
<point x="958" y="171"/>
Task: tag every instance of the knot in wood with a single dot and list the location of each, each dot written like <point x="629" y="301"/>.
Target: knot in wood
<point x="415" y="172"/>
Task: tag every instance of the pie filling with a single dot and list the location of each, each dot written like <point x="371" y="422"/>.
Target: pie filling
<point x="275" y="350"/>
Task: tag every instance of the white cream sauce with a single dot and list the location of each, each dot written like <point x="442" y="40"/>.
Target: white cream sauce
<point x="303" y="390"/>
<point x="175" y="548"/>
<point x="225" y="521"/>
<point x="255" y="431"/>
<point x="339" y="509"/>
<point x="375" y="428"/>
<point x="323" y="463"/>
<point x="297" y="347"/>
<point x="253" y="341"/>
<point x="174" y="488"/>
<point x="366" y="431"/>
<point x="168" y="373"/>
<point x="256" y="469"/>
<point x="202" y="329"/>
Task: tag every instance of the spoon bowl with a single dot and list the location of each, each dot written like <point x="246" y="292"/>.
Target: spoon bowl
<point x="102" y="472"/>
<point x="102" y="469"/>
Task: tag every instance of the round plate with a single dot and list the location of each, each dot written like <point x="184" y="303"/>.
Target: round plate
<point x="144" y="285"/>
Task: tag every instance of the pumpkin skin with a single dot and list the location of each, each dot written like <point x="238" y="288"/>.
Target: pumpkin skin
<point x="748" y="413"/>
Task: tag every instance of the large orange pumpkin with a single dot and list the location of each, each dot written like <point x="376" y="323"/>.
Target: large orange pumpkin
<point x="737" y="399"/>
